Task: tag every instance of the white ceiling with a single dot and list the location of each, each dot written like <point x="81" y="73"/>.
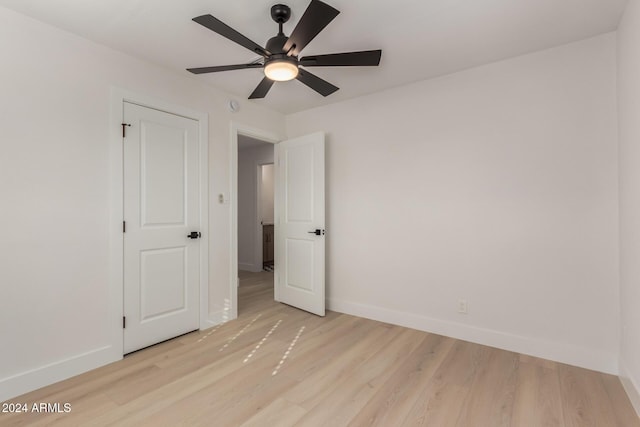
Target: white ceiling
<point x="420" y="39"/>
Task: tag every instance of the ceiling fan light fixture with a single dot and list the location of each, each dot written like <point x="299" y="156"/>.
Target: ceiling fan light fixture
<point x="281" y="70"/>
<point x="281" y="55"/>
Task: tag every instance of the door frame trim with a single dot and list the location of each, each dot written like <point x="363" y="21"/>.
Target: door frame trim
<point x="116" y="207"/>
<point x="266" y="136"/>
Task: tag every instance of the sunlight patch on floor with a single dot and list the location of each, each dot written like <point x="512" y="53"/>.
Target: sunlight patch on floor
<point x="262" y="342"/>
<point x="286" y="354"/>
<point x="240" y="333"/>
<point x="210" y="332"/>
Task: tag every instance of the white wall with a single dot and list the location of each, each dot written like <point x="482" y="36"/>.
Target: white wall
<point x="497" y="185"/>
<point x="267" y="194"/>
<point x="54" y="184"/>
<point x="249" y="243"/>
<point x="629" y="122"/>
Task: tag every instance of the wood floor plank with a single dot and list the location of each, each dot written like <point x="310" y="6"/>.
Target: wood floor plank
<point x="224" y="365"/>
<point x="357" y="388"/>
<point x="444" y="397"/>
<point x="326" y="378"/>
<point x="315" y="351"/>
<point x="280" y="413"/>
<point x="214" y="402"/>
<point x="490" y="400"/>
<point x="538" y="397"/>
<point x="203" y="392"/>
<point x="584" y="399"/>
<point x="342" y="370"/>
<point x="391" y="403"/>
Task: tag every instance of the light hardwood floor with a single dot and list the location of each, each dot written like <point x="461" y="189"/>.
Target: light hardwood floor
<point x="341" y="370"/>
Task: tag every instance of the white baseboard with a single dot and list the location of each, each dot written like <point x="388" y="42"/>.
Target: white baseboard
<point x="209" y="323"/>
<point x="630" y="386"/>
<point x="247" y="266"/>
<point x="218" y="317"/>
<point x="565" y="353"/>
<point x="34" y="379"/>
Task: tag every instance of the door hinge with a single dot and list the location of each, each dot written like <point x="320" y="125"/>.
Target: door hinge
<point x="124" y="322"/>
<point x="124" y="227"/>
<point x="124" y="126"/>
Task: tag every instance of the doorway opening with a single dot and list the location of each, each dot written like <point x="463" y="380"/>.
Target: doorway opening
<point x="255" y="219"/>
<point x="299" y="233"/>
<point x="266" y="200"/>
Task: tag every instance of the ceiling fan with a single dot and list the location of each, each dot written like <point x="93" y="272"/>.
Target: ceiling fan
<point x="280" y="55"/>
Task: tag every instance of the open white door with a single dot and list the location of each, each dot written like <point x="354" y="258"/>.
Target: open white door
<point x="161" y="209"/>
<point x="299" y="223"/>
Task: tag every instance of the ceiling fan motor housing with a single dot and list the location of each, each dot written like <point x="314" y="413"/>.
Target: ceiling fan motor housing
<point x="280" y="13"/>
<point x="275" y="44"/>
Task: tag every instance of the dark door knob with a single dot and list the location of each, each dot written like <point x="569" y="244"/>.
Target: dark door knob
<point x="194" y="235"/>
<point x="317" y="232"/>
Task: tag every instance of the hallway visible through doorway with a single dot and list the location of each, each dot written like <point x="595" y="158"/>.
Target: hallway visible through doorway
<point x="255" y="292"/>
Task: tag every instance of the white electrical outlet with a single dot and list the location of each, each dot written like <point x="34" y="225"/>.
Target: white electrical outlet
<point x="462" y="306"/>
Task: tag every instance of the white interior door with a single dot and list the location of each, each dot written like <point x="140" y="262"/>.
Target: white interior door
<point x="161" y="207"/>
<point x="299" y="223"/>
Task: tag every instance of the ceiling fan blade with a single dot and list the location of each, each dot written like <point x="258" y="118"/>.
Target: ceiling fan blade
<point x="323" y="87"/>
<point x="216" y="25"/>
<point x="317" y="16"/>
<point x="262" y="89"/>
<point x="203" y="70"/>
<point x="349" y="59"/>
